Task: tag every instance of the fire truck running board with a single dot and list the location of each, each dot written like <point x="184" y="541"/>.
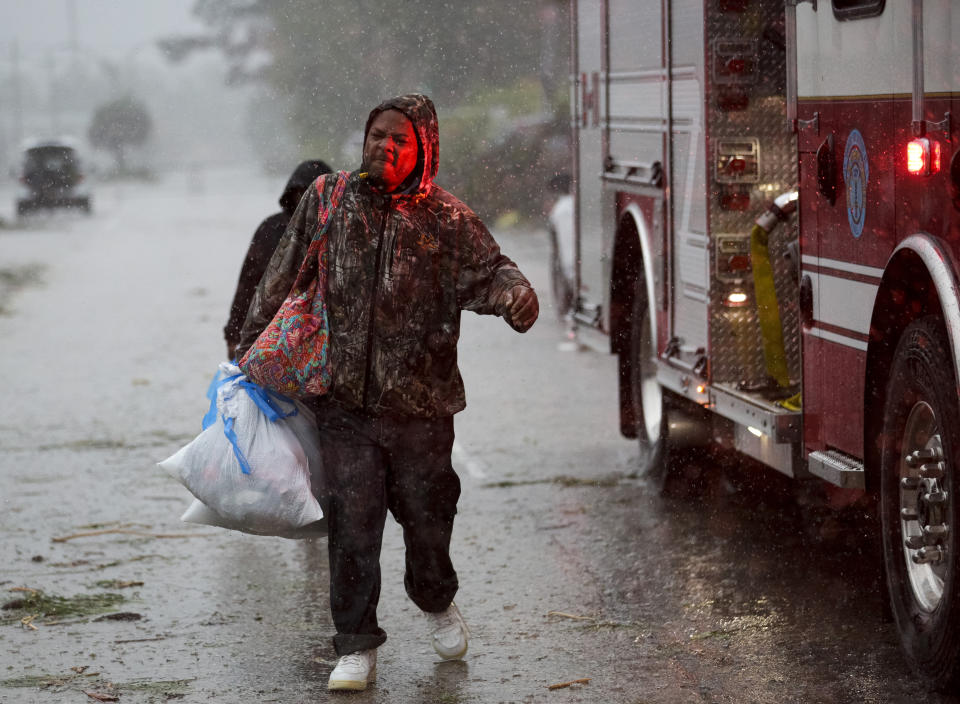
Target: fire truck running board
<point x="837" y="468"/>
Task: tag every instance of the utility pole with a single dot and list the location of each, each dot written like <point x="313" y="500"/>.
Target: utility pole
<point x="16" y="96"/>
<point x="53" y="97"/>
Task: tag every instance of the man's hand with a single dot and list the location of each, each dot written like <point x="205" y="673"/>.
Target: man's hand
<point x="519" y="307"/>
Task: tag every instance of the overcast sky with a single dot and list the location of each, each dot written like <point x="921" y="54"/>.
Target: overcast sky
<point x="112" y="29"/>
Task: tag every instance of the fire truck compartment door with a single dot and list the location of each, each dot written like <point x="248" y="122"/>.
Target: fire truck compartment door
<point x="846" y="78"/>
<point x="690" y="254"/>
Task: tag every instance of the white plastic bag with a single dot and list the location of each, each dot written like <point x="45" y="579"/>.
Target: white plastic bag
<point x="202" y="514"/>
<point x="254" y="466"/>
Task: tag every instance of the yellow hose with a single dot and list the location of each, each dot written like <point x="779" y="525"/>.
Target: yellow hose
<point x="794" y="403"/>
<point x="768" y="310"/>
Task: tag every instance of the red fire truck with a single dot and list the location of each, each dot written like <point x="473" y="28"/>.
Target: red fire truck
<point x="766" y="209"/>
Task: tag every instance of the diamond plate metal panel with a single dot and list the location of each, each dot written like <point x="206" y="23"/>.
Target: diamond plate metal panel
<point x="749" y="105"/>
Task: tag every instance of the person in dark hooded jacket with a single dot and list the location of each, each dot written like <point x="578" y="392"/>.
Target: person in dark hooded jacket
<point x="404" y="258"/>
<point x="264" y="242"/>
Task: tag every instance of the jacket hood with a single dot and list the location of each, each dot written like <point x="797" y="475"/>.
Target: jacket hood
<point x="306" y="173"/>
<point x="419" y="109"/>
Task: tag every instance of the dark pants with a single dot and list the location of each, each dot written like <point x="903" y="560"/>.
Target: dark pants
<point x="375" y="464"/>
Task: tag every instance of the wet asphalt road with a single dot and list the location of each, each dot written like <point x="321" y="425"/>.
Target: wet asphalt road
<point x="570" y="566"/>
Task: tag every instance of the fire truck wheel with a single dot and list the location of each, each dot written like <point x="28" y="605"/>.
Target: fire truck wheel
<point x="647" y="395"/>
<point x="560" y="285"/>
<point x="919" y="506"/>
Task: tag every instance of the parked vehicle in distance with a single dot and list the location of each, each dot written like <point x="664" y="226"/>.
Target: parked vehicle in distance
<point x="51" y="175"/>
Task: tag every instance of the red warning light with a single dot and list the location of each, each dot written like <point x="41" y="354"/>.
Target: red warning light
<point x="923" y="156"/>
<point x="739" y="202"/>
<point x="736" y="165"/>
<point x="736" y="65"/>
<point x="916" y="156"/>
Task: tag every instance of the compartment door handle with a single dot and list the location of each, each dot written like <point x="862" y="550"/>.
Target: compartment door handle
<point x="827" y="170"/>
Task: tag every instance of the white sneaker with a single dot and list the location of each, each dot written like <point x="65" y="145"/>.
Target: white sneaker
<point x="449" y="633"/>
<point x="354" y="671"/>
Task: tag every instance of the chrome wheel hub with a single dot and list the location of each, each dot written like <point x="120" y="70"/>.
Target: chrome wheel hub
<point x="924" y="506"/>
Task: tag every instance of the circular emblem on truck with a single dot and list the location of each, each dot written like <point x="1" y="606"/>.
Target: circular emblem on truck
<point x="856" y="172"/>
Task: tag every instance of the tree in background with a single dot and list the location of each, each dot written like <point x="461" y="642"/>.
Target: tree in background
<point x="486" y="64"/>
<point x="117" y="125"/>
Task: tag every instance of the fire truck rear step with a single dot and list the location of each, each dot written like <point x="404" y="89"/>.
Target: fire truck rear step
<point x="761" y="429"/>
<point x="837" y="468"/>
<point x="746" y="409"/>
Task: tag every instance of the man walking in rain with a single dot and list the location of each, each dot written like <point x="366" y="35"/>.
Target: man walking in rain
<point x="405" y="257"/>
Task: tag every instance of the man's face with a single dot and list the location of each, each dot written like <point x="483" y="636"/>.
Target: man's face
<point x="390" y="150"/>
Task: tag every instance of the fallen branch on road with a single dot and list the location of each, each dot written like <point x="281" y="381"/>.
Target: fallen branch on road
<point x="118" y="583"/>
<point x="563" y="614"/>
<point x="563" y="685"/>
<point x="140" y="640"/>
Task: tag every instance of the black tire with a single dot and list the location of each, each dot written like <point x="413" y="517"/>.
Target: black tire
<point x="24" y="207"/>
<point x="921" y="421"/>
<point x="649" y="402"/>
<point x="560" y="285"/>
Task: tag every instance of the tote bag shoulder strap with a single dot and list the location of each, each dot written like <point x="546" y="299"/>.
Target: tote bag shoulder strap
<point x="308" y="267"/>
<point x="325" y="209"/>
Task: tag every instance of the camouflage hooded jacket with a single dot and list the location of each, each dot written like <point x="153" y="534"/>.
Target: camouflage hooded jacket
<point x="401" y="267"/>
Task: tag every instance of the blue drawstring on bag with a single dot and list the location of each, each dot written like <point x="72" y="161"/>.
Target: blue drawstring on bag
<point x="211" y="416"/>
<point x="267" y="401"/>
